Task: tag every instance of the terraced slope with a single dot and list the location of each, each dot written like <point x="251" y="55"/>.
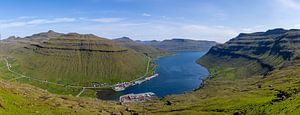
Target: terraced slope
<point x="73" y="58"/>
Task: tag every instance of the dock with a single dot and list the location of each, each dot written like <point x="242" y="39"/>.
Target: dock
<point x="122" y="86"/>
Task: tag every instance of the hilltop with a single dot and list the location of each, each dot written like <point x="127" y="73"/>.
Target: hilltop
<point x="178" y="44"/>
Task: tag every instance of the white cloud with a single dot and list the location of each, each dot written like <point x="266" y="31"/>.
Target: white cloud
<point x="297" y="26"/>
<point x="160" y="30"/>
<point x="12" y="23"/>
<point x="254" y="29"/>
<point x="291" y="4"/>
<point x="26" y="17"/>
<point x="146" y="15"/>
<point x="104" y="20"/>
<point x="47" y="21"/>
<point x="218" y="33"/>
<point x="137" y="29"/>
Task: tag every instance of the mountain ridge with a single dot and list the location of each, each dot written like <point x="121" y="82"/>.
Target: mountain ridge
<point x="273" y="48"/>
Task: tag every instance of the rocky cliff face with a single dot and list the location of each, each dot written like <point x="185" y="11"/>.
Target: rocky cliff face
<point x="266" y="50"/>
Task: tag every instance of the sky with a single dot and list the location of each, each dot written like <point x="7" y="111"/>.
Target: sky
<point x="216" y="20"/>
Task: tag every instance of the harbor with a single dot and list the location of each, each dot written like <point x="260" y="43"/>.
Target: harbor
<point x="122" y="86"/>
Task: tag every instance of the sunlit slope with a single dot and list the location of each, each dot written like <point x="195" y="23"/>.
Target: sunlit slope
<point x="276" y="93"/>
<point x="24" y="99"/>
<point x="73" y="59"/>
<point x="255" y="53"/>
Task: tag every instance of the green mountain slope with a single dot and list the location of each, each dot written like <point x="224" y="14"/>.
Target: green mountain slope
<point x="258" y="52"/>
<point x="73" y="58"/>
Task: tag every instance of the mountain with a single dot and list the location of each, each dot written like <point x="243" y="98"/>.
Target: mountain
<point x="75" y="59"/>
<point x="141" y="48"/>
<point x="262" y="51"/>
<point x="181" y="44"/>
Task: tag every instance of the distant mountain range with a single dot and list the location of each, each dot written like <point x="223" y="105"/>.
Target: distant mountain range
<point x="180" y="44"/>
<point x="142" y="48"/>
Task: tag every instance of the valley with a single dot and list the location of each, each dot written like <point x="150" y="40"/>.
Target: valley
<point x="259" y="86"/>
<point x="150" y="57"/>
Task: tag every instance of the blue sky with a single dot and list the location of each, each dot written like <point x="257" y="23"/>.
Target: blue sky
<point x="218" y="20"/>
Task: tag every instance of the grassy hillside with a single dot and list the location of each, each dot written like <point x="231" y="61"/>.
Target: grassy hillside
<point x="24" y="99"/>
<point x="73" y="59"/>
<point x="254" y="95"/>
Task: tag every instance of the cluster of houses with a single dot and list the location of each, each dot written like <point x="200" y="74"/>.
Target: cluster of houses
<point x="141" y="97"/>
<point x="122" y="86"/>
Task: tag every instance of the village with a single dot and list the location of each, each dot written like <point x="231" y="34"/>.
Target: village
<point x="122" y="86"/>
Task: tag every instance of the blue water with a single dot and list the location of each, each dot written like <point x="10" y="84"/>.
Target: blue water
<point x="177" y="74"/>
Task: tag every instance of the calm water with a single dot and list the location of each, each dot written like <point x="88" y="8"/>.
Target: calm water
<point x="177" y="74"/>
